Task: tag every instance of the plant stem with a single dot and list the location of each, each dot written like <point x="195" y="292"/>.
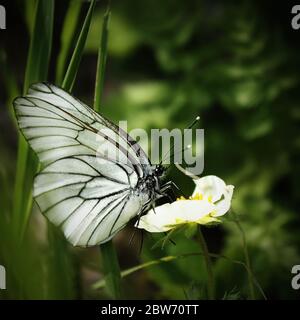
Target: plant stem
<point x="247" y="257"/>
<point x="101" y="284"/>
<point x="208" y="263"/>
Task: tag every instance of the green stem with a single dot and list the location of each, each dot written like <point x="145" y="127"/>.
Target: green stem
<point x="101" y="284"/>
<point x="208" y="263"/>
<point x="247" y="257"/>
<point x="111" y="270"/>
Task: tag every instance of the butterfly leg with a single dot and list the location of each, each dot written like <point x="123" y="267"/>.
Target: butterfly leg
<point x="169" y="194"/>
<point x="137" y="223"/>
<point x="170" y="185"/>
<point x="146" y="207"/>
<point x="167" y="191"/>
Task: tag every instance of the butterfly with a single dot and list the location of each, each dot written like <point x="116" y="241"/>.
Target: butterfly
<point x="82" y="187"/>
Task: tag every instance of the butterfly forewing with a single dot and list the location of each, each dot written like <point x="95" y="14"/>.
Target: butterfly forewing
<point x="90" y="167"/>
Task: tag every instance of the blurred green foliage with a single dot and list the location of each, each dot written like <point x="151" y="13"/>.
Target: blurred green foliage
<point x="235" y="65"/>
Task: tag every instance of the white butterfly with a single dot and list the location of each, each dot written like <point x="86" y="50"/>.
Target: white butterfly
<point x="90" y="200"/>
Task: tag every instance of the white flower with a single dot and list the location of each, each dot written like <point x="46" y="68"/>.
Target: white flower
<point x="215" y="189"/>
<point x="210" y="200"/>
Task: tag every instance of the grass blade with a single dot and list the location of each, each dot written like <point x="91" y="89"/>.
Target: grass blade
<point x="108" y="251"/>
<point x="67" y="38"/>
<point x="10" y="84"/>
<point x="70" y="76"/>
<point x="101" y="63"/>
<point x="111" y="269"/>
<point x="40" y="45"/>
<point x="36" y="70"/>
<point x="62" y="268"/>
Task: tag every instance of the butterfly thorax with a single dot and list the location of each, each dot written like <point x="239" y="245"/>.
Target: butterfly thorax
<point x="150" y="184"/>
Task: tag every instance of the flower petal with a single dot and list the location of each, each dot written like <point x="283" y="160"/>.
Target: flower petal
<point x="223" y="205"/>
<point x="192" y="210"/>
<point x="158" y="220"/>
<point x="210" y="187"/>
<point x="167" y="216"/>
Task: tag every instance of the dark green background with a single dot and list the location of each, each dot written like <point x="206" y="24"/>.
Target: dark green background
<point x="236" y="64"/>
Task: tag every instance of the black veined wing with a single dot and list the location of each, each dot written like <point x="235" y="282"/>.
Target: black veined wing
<point x="90" y="167"/>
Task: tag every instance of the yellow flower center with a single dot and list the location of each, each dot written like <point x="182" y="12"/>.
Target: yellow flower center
<point x="197" y="196"/>
<point x="204" y="220"/>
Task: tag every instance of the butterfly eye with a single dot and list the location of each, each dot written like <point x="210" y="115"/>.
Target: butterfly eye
<point x="159" y="170"/>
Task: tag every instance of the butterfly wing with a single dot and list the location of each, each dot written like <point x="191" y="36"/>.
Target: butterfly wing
<point x="89" y="167"/>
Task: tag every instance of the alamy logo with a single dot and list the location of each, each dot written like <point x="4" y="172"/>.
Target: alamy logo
<point x="2" y="18"/>
<point x="296" y="279"/>
<point x="295" y="21"/>
<point x="2" y="278"/>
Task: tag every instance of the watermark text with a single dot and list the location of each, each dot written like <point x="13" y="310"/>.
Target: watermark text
<point x="296" y="279"/>
<point x="2" y="278"/>
<point x="2" y="18"/>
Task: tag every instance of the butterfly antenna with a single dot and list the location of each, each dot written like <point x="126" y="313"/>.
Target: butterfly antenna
<point x="171" y="150"/>
<point x="194" y="122"/>
<point x="182" y="150"/>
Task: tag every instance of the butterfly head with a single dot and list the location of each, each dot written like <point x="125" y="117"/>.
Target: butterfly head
<point x="159" y="170"/>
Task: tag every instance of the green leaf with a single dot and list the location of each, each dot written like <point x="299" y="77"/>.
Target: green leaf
<point x="71" y="73"/>
<point x="67" y="37"/>
<point x="10" y="84"/>
<point x="40" y="44"/>
<point x="111" y="270"/>
<point x="108" y="251"/>
<point x="36" y="70"/>
<point x="102" y="54"/>
<point x="60" y="266"/>
<point x="190" y="230"/>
